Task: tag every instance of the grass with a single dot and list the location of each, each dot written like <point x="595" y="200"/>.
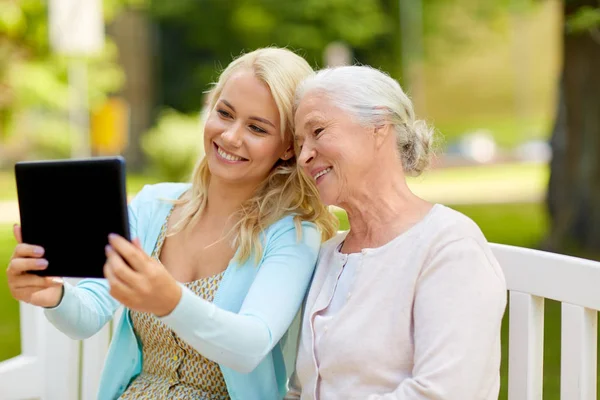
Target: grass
<point x="8" y="190"/>
<point x="516" y="224"/>
<point x="9" y="308"/>
<point x="500" y="183"/>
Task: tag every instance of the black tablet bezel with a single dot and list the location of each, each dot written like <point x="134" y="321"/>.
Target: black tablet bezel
<point x="26" y="170"/>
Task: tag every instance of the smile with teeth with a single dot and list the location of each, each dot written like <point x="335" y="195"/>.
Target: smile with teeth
<point x="227" y="156"/>
<point x="323" y="172"/>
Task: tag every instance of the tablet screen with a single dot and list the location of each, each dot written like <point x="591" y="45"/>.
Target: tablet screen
<point x="69" y="207"/>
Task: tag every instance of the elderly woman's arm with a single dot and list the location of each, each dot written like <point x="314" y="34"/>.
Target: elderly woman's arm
<point x="459" y="303"/>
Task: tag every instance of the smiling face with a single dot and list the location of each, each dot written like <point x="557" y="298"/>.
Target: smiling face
<point x="335" y="149"/>
<point x="242" y="134"/>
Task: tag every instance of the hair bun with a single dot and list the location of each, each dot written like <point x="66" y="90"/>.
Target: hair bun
<point x="416" y="152"/>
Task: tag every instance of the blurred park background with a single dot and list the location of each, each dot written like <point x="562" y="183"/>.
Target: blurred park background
<point x="512" y="86"/>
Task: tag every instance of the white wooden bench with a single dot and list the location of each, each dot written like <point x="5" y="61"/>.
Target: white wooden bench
<point x="531" y="277"/>
<point x="53" y="367"/>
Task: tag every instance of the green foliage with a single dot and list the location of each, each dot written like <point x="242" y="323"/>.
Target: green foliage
<point x="585" y="19"/>
<point x="452" y="27"/>
<point x="195" y="33"/>
<point x="112" y="8"/>
<point x="174" y="145"/>
<point x="34" y="82"/>
<point x="51" y="139"/>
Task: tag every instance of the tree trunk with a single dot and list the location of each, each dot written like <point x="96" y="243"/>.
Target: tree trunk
<point x="132" y="33"/>
<point x="574" y="190"/>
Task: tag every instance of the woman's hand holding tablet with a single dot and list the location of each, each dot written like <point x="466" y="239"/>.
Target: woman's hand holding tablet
<point x="68" y="208"/>
<point x="41" y="291"/>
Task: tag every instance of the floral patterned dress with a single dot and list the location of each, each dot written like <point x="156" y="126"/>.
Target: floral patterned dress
<point x="171" y="368"/>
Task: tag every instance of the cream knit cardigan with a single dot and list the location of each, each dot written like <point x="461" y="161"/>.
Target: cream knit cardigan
<point x="422" y="319"/>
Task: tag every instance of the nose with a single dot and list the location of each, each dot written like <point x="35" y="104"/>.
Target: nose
<point x="233" y="136"/>
<point x="307" y="155"/>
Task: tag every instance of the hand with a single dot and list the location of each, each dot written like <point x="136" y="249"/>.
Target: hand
<point x="138" y="281"/>
<point x="25" y="286"/>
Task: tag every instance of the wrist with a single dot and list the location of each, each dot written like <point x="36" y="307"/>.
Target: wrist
<point x="172" y="298"/>
<point x="60" y="298"/>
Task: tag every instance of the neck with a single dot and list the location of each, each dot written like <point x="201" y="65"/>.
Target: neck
<point x="377" y="216"/>
<point x="224" y="199"/>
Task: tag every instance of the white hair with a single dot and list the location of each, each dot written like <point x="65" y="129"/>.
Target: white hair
<point x="374" y="98"/>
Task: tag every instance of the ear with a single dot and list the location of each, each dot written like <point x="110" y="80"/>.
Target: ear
<point x="289" y="153"/>
<point x="381" y="133"/>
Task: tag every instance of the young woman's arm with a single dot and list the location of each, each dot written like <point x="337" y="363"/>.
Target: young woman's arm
<point x="241" y="340"/>
<point x="85" y="308"/>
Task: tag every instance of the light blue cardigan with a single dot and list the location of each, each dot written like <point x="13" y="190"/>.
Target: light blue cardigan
<point x="245" y="329"/>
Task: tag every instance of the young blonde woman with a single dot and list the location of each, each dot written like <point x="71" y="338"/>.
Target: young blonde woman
<point x="219" y="267"/>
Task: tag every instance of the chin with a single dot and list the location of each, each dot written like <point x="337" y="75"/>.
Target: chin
<point x="218" y="171"/>
<point x="328" y="198"/>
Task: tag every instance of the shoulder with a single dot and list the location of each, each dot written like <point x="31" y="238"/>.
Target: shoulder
<point x="152" y="199"/>
<point x="289" y="223"/>
<point x="288" y="230"/>
<point x="149" y="207"/>
<point x="451" y="235"/>
<point x="161" y="191"/>
<point x="446" y="225"/>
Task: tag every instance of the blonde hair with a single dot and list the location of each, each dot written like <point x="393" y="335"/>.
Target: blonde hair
<point x="375" y="98"/>
<point x="286" y="190"/>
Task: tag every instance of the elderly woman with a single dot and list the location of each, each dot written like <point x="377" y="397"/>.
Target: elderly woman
<point x="408" y="303"/>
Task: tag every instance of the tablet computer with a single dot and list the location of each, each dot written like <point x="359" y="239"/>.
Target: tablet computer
<point x="69" y="207"/>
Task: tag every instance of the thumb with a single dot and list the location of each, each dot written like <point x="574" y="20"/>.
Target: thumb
<point x="17" y="233"/>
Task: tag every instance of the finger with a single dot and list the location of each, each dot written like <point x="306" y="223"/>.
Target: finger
<point x="132" y="255"/>
<point x="22" y="265"/>
<point x="137" y="243"/>
<point x="17" y="233"/>
<point x="118" y="289"/>
<point x="120" y="269"/>
<point x="34" y="281"/>
<point x="23" y="250"/>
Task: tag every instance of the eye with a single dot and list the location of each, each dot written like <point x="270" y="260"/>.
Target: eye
<point x="224" y="114"/>
<point x="317" y="131"/>
<point x="257" y="129"/>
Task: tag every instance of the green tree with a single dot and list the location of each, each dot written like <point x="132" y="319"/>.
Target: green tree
<point x="574" y="190"/>
<point x="192" y="34"/>
<point x="34" y="83"/>
<point x="23" y="51"/>
<point x="573" y="197"/>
